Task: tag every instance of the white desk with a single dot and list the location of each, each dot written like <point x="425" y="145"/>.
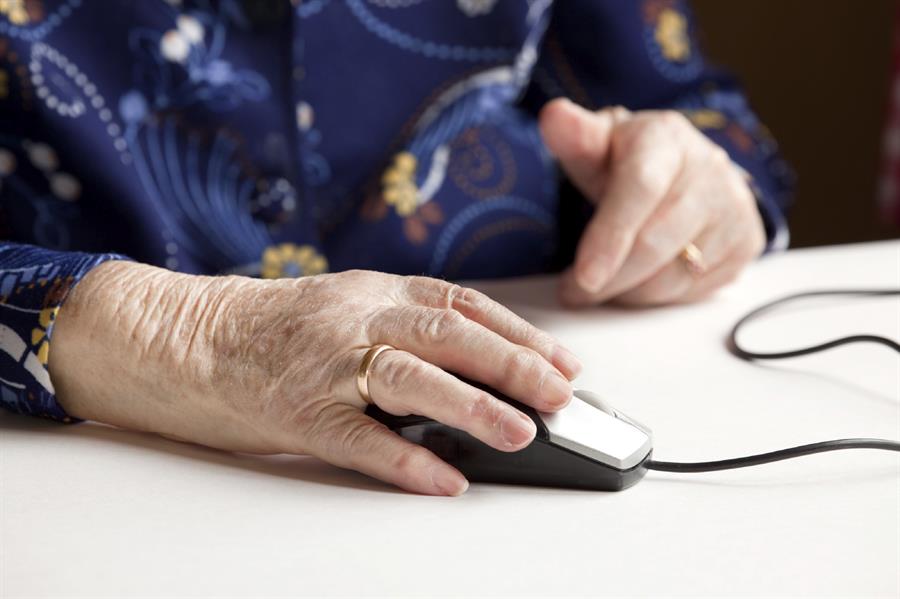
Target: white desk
<point x="91" y="511"/>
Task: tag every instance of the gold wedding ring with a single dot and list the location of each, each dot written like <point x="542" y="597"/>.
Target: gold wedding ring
<point x="365" y="367"/>
<point x="693" y="260"/>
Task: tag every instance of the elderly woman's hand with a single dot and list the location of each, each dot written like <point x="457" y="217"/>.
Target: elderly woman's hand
<point x="659" y="185"/>
<point x="269" y="366"/>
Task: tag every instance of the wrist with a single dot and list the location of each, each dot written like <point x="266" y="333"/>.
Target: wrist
<point x="115" y="343"/>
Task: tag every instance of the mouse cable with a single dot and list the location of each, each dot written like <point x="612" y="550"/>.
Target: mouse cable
<point x="740" y="352"/>
<point x="773" y="456"/>
<point x="802" y="450"/>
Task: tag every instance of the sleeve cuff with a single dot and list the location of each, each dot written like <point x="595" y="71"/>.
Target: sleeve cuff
<point x="34" y="284"/>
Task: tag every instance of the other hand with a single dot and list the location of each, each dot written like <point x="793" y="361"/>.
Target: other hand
<point x="659" y="185"/>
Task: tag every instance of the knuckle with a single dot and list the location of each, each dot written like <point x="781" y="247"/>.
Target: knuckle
<point x="419" y="288"/>
<point x="522" y="364"/>
<point x="443" y="295"/>
<point x="619" y="113"/>
<point x="646" y="176"/>
<point x="411" y="286"/>
<point x="406" y="460"/>
<point x="542" y="342"/>
<point x="656" y="128"/>
<point x="353" y="276"/>
<point x="464" y="299"/>
<point x="484" y="408"/>
<point x="344" y="442"/>
<point x="400" y="373"/>
<point x="441" y="325"/>
<point x="449" y="293"/>
<point x="354" y="437"/>
<point x="673" y="120"/>
<point x="416" y="281"/>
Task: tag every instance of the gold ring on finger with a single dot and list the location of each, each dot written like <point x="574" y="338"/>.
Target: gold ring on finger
<point x="365" y="368"/>
<point x="693" y="260"/>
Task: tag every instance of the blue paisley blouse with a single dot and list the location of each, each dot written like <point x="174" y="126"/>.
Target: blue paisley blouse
<point x="274" y="138"/>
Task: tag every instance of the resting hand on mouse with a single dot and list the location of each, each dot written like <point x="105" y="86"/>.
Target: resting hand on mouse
<point x="270" y="366"/>
<point x="660" y="187"/>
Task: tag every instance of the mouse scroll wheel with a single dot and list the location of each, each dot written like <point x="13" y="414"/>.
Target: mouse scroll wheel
<point x="595" y="400"/>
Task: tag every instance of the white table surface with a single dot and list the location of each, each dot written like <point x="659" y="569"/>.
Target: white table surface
<point x="92" y="511"/>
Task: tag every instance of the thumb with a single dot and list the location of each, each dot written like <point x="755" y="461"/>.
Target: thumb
<point x="580" y="140"/>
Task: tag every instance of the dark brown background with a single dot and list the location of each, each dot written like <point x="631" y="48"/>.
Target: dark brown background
<point x="817" y="72"/>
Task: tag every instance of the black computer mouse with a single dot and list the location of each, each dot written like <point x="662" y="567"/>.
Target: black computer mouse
<point x="586" y="445"/>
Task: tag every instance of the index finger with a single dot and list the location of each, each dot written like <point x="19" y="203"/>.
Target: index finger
<point x="480" y="308"/>
<point x="637" y="184"/>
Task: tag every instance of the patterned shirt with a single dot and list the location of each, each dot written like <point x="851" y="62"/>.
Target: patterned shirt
<point x="274" y="138"/>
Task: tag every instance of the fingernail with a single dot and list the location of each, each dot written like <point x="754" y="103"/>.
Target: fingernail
<point x="556" y="390"/>
<point x="566" y="361"/>
<point x="517" y="429"/>
<point x="448" y="480"/>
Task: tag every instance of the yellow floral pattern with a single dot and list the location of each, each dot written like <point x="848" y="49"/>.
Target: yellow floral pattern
<point x="706" y="118"/>
<point x="15" y="11"/>
<point x="39" y="339"/>
<point x="289" y="260"/>
<point x="398" y="184"/>
<point x="672" y="35"/>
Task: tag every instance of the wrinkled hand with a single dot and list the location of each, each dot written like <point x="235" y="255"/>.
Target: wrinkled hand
<point x="269" y="366"/>
<point x="658" y="184"/>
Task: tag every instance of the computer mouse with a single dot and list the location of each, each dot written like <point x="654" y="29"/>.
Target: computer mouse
<point x="586" y="445"/>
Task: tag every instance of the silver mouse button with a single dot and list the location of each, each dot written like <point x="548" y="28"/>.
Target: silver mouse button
<point x="589" y="426"/>
<point x="595" y="400"/>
